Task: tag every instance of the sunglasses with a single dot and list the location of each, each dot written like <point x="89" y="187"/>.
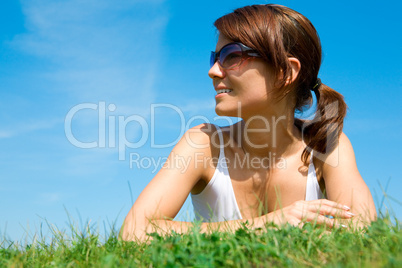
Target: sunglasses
<point x="232" y="55"/>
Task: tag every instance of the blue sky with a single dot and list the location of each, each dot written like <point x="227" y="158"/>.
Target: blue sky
<point x="118" y="59"/>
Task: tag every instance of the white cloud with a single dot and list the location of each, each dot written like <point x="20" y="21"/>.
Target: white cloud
<point x="26" y="127"/>
<point x="92" y="51"/>
<point x="103" y="50"/>
<point x="5" y="134"/>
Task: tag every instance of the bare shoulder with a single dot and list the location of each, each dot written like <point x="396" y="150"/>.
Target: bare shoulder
<point x="345" y="146"/>
<point x="339" y="167"/>
<point x="341" y="157"/>
<point x="201" y="136"/>
<point x="338" y="163"/>
<point x="201" y="142"/>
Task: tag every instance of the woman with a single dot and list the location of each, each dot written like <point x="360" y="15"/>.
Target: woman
<point x="271" y="166"/>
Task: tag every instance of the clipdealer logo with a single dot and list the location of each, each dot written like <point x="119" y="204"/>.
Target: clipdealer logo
<point x="109" y="125"/>
<point x="112" y="131"/>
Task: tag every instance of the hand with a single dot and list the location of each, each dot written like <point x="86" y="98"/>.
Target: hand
<point x="312" y="211"/>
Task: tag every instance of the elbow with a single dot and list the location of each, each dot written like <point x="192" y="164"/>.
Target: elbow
<point x="127" y="230"/>
<point x="126" y="233"/>
<point x="364" y="220"/>
<point x="133" y="229"/>
<point x="369" y="213"/>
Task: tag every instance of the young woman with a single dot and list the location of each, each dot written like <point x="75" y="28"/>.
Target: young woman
<point x="271" y="166"/>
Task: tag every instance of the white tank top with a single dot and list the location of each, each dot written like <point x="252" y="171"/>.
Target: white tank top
<point x="217" y="202"/>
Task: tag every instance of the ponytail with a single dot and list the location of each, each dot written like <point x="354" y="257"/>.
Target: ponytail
<point x="322" y="132"/>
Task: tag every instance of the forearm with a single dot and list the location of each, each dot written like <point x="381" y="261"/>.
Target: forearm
<point x="362" y="206"/>
<point x="359" y="220"/>
<point x="139" y="230"/>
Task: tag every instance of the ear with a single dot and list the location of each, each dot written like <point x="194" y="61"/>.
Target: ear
<point x="296" y="66"/>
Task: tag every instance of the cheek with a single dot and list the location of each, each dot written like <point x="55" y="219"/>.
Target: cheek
<point x="255" y="82"/>
<point x="256" y="89"/>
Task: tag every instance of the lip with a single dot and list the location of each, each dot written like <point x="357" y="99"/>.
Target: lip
<point x="222" y="88"/>
<point x="222" y="94"/>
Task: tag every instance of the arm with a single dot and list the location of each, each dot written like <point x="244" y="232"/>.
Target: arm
<point x="345" y="185"/>
<point x="163" y="197"/>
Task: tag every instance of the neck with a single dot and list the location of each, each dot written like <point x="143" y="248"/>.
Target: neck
<point x="273" y="134"/>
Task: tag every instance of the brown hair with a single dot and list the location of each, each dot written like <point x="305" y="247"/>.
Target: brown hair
<point x="278" y="32"/>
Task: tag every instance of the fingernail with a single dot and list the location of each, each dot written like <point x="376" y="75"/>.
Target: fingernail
<point x="350" y="214"/>
<point x="346" y="207"/>
<point x="343" y="226"/>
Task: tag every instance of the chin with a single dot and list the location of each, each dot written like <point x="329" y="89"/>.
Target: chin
<point x="226" y="111"/>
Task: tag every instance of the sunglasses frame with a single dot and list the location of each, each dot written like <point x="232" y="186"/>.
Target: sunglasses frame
<point x="245" y="50"/>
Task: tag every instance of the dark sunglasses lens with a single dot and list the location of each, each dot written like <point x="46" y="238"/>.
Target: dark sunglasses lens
<point x="230" y="56"/>
<point x="212" y="59"/>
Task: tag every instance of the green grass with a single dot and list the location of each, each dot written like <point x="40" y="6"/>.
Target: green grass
<point x="379" y="245"/>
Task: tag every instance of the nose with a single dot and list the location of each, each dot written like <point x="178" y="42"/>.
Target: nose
<point x="216" y="71"/>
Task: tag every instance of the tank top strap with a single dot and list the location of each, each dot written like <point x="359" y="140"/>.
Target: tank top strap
<point x="313" y="190"/>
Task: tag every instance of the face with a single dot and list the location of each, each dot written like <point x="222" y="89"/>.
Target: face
<point x="247" y="87"/>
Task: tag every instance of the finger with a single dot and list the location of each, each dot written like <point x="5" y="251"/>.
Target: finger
<point x="321" y="220"/>
<point x="324" y="221"/>
<point x="301" y="224"/>
<point x="334" y="212"/>
<point x="330" y="209"/>
<point x="329" y="203"/>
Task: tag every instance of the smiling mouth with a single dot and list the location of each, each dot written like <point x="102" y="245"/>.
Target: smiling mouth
<point x="219" y="91"/>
